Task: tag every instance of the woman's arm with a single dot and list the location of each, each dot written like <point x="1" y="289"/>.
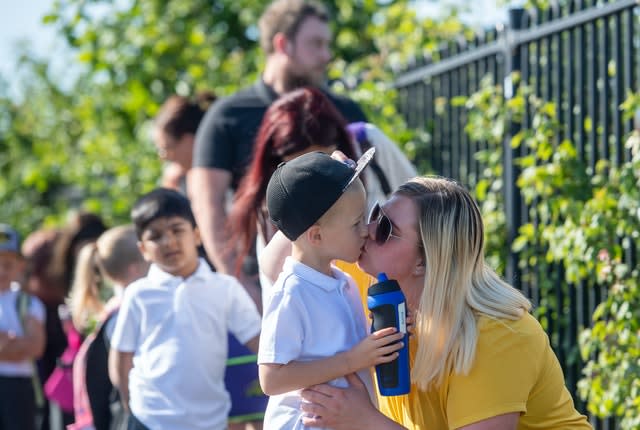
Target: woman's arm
<point x="350" y="409"/>
<point x="343" y="408"/>
<point x="379" y="347"/>
<point x="273" y="255"/>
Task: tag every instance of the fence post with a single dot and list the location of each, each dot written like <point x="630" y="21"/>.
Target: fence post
<point x="510" y="170"/>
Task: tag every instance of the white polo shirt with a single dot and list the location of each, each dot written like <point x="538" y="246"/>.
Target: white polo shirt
<point x="308" y="316"/>
<point x="177" y="329"/>
<point x="10" y="322"/>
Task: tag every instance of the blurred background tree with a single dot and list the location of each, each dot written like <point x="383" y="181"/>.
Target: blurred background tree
<point x="87" y="143"/>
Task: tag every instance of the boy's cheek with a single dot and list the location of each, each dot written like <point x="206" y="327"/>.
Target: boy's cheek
<point x="11" y="268"/>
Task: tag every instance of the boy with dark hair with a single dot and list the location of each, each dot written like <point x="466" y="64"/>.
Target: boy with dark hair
<point x="169" y="347"/>
<point x="22" y="339"/>
<point x="314" y="329"/>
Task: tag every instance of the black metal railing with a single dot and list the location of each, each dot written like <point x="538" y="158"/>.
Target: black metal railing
<point x="584" y="57"/>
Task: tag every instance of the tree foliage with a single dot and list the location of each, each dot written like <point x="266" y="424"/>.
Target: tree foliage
<point x="88" y="145"/>
<point x="587" y="223"/>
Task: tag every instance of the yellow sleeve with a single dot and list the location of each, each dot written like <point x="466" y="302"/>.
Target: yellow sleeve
<point x="508" y="360"/>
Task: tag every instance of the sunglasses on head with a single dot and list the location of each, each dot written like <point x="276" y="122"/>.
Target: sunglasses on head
<point x="384" y="227"/>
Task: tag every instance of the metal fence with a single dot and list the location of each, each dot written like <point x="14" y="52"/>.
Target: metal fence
<point x="584" y="57"/>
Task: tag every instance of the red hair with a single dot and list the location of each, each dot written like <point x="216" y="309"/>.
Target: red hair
<point x="294" y="123"/>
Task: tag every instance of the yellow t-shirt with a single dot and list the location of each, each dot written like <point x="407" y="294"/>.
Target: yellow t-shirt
<point x="361" y="278"/>
<point x="515" y="370"/>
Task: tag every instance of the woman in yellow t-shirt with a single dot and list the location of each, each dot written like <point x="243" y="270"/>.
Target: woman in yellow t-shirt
<point x="479" y="359"/>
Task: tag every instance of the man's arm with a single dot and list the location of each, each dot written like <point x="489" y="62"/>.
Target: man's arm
<point x="120" y="364"/>
<point x="20" y="348"/>
<point x="379" y="347"/>
<point x="207" y="188"/>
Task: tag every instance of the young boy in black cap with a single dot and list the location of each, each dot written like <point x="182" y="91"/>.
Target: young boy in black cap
<point x="314" y="329"/>
<point x="22" y="339"/>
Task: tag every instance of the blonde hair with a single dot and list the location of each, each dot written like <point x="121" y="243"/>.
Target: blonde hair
<point x="109" y="257"/>
<point x="458" y="285"/>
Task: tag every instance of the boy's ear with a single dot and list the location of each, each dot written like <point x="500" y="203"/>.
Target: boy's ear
<point x="281" y="43"/>
<point x="143" y="251"/>
<point x="196" y="232"/>
<point x="314" y="234"/>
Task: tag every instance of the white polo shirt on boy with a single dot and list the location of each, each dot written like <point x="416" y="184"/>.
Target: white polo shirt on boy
<point x="177" y="329"/>
<point x="10" y="322"/>
<point x="308" y="316"/>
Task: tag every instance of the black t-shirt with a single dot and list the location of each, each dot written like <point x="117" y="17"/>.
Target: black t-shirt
<point x="228" y="130"/>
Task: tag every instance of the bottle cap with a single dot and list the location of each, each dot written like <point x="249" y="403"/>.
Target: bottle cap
<point x="382" y="277"/>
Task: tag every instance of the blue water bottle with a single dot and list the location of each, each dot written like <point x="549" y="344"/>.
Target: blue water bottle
<point x="387" y="304"/>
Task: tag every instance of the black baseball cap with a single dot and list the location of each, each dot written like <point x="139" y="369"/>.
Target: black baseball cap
<point x="301" y="190"/>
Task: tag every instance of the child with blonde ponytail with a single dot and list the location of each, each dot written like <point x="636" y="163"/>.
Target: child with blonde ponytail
<point x="103" y="270"/>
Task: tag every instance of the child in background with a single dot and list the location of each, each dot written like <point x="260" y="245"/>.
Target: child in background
<point x="104" y="268"/>
<point x="314" y="329"/>
<point x="169" y="346"/>
<point x="22" y="339"/>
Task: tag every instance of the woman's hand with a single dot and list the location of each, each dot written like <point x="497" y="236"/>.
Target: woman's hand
<point x="343" y="408"/>
<point x="339" y="155"/>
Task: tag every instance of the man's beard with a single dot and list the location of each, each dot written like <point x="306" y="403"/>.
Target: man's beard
<point x="293" y="80"/>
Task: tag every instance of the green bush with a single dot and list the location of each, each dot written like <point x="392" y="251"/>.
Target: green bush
<point x="586" y="222"/>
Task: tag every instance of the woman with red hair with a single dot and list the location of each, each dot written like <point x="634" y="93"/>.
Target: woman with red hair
<point x="301" y="121"/>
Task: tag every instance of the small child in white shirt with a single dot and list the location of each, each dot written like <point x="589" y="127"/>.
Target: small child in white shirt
<point x="169" y="347"/>
<point x="314" y="329"/>
<point x="22" y="339"/>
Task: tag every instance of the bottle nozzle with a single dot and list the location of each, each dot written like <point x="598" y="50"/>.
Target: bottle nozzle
<point x="382" y="277"/>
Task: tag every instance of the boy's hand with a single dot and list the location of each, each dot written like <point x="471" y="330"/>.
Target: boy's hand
<point x="377" y="348"/>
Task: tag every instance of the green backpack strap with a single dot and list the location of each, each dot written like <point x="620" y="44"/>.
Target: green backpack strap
<point x="23" y="302"/>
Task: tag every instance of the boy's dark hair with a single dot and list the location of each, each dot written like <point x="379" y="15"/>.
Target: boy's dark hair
<point x="160" y="203"/>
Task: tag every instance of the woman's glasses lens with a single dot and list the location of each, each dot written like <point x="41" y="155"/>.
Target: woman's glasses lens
<point x="383" y="224"/>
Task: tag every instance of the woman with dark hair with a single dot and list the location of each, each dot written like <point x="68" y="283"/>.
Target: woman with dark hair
<point x="38" y="249"/>
<point x="301" y="121"/>
<point x="83" y="227"/>
<point x="174" y="132"/>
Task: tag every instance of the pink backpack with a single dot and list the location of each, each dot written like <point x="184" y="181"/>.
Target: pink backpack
<point x="93" y="393"/>
<point x="59" y="386"/>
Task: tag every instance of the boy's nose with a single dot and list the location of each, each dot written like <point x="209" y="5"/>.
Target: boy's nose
<point x="371" y="230"/>
<point x="364" y="230"/>
<point x="168" y="239"/>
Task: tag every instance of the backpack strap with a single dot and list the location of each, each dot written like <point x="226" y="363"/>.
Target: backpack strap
<point x="23" y="302"/>
<point x="359" y="131"/>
